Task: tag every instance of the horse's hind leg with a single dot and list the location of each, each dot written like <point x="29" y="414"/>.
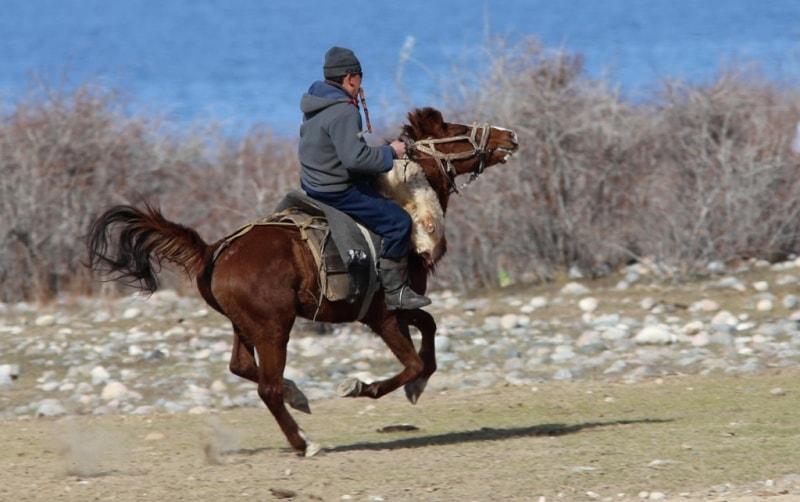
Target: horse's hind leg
<point x="243" y="364"/>
<point x="271" y="350"/>
<point x="396" y="336"/>
<point x="426" y="325"/>
<point x="243" y="360"/>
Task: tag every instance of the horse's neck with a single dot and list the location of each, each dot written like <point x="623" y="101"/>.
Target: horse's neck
<point x="407" y="185"/>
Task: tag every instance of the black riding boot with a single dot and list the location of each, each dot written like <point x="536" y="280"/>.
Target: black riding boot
<point x="399" y="295"/>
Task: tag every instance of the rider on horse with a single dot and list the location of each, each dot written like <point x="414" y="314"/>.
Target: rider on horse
<point x="337" y="164"/>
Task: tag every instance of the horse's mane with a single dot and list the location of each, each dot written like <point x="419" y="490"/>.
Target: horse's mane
<point x="424" y="123"/>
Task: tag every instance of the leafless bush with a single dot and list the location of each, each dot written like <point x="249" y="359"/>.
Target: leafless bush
<point x="66" y="156"/>
<point x="723" y="184"/>
<point x="564" y="195"/>
<point x="692" y="175"/>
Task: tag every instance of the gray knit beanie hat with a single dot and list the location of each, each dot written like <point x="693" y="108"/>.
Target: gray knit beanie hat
<point x="339" y="62"/>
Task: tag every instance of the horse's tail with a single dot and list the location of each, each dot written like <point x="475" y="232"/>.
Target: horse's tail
<point x="129" y="245"/>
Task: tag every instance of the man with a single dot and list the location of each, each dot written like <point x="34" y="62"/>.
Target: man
<point x="337" y="164"/>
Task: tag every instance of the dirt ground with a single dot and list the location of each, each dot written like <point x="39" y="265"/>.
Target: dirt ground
<point x="731" y="438"/>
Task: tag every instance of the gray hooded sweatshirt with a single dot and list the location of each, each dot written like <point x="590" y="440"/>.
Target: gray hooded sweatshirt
<point x="332" y="150"/>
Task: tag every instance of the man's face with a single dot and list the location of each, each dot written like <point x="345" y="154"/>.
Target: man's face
<point x="352" y="83"/>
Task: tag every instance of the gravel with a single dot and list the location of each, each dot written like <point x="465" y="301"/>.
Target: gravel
<point x="169" y="353"/>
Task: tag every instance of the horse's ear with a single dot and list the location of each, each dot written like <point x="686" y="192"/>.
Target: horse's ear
<point x="428" y="121"/>
<point x="431" y="116"/>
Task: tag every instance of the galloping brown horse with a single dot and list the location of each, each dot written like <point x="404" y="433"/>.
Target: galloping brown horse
<point x="267" y="277"/>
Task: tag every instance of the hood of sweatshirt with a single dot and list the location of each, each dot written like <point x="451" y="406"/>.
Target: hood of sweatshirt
<point x="321" y="95"/>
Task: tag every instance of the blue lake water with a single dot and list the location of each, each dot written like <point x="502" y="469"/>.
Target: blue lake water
<point x="246" y="62"/>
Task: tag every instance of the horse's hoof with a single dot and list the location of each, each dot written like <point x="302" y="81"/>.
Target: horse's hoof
<point x="312" y="449"/>
<point x="294" y="397"/>
<point x="350" y="388"/>
<point x="414" y="390"/>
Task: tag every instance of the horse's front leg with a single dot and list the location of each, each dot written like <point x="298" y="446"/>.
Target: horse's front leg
<point x="243" y="364"/>
<point x="426" y="325"/>
<point x="395" y="334"/>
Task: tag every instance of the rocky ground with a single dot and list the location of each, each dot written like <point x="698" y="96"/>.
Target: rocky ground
<point x="169" y="354"/>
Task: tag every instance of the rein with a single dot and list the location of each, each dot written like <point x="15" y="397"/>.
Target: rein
<point x="364" y="105"/>
<point x="428" y="147"/>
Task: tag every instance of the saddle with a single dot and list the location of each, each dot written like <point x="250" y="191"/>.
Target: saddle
<point x="344" y="251"/>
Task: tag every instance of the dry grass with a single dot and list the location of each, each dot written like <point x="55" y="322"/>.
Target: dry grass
<point x="682" y="436"/>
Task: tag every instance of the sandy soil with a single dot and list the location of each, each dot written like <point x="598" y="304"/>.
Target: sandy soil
<point x="689" y="438"/>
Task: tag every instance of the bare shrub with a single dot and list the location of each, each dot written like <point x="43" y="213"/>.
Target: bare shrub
<point x="58" y="156"/>
<point x="724" y="185"/>
<point x="66" y="156"/>
<point x="694" y="175"/>
<point x="559" y="199"/>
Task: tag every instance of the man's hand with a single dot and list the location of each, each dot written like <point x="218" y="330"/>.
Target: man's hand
<point x="399" y="148"/>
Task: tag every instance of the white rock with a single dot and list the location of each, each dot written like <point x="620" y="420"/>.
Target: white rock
<point x="113" y="390"/>
<point x="99" y="375"/>
<point x="45" y="320"/>
<point x="491" y="323"/>
<point x="725" y="317"/>
<point x="175" y="331"/>
<point x="693" y="327"/>
<point x="701" y="339"/>
<point x="616" y="333"/>
<point x="131" y="313"/>
<point x="218" y="387"/>
<point x="732" y="283"/>
<point x="704" y="305"/>
<point x="764" y="305"/>
<point x="49" y="386"/>
<point x="10" y="371"/>
<point x="657" y="334"/>
<point x="574" y="289"/>
<point x="508" y="321"/>
<point x="538" y="302"/>
<point x="101" y="316"/>
<point x="50" y="408"/>
<point x="616" y="367"/>
<point x="575" y="272"/>
<point x="144" y="410"/>
<point x="588" y="304"/>
<point x="648" y="303"/>
<point x="165" y="296"/>
<point x="761" y="286"/>
<point x="316" y="350"/>
<point x="84" y="388"/>
<point x="443" y="344"/>
<point x="790" y="302"/>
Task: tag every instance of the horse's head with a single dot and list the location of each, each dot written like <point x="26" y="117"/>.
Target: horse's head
<point x="455" y="148"/>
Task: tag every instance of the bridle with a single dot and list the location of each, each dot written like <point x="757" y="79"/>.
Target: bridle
<point x="445" y="160"/>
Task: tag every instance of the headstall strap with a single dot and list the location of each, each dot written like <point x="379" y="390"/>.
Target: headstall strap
<point x="428" y="146"/>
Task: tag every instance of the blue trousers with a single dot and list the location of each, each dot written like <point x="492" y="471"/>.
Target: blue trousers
<point x="379" y="214"/>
